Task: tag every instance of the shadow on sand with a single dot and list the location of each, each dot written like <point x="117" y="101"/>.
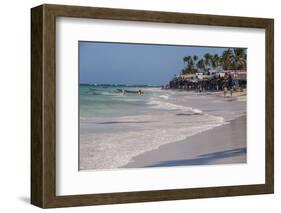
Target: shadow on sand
<point x="203" y="159"/>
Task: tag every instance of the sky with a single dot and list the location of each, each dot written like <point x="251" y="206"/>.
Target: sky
<point x="134" y="64"/>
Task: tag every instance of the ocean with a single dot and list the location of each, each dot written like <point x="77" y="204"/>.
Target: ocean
<point x="117" y="122"/>
<point x="109" y="100"/>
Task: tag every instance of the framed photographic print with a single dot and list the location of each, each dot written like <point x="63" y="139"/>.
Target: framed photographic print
<point x="136" y="106"/>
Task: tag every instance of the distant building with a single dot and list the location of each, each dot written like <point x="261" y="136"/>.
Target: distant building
<point x="188" y="76"/>
<point x="237" y="74"/>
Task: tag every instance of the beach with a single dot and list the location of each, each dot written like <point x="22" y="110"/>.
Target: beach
<point x="159" y="128"/>
<point x="225" y="144"/>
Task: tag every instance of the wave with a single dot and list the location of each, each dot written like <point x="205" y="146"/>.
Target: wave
<point x="105" y="93"/>
<point x="108" y="150"/>
<point x="164" y="97"/>
<point x="170" y="106"/>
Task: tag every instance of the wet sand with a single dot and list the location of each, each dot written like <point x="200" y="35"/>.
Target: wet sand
<point x="225" y="144"/>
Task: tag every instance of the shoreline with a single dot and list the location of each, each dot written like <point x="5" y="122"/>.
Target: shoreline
<point x="219" y="93"/>
<point x="225" y="144"/>
<point x="157" y="120"/>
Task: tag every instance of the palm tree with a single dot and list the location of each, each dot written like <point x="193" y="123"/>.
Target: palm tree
<point x="195" y="58"/>
<point x="215" y="60"/>
<point x="207" y="60"/>
<point x="190" y="64"/>
<point x="189" y="61"/>
<point x="239" y="58"/>
<point x="185" y="60"/>
<point x="183" y="71"/>
<point x="200" y="64"/>
<point x="227" y="58"/>
<point x="231" y="58"/>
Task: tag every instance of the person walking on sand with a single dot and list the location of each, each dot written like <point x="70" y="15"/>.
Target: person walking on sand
<point x="230" y="84"/>
<point x="225" y="88"/>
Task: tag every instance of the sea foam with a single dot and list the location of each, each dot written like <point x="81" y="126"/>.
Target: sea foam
<point x="127" y="139"/>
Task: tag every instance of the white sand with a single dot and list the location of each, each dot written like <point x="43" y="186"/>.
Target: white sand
<point x="225" y="144"/>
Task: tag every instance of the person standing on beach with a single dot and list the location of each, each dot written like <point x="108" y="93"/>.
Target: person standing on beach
<point x="225" y="84"/>
<point x="225" y="88"/>
<point x="230" y="84"/>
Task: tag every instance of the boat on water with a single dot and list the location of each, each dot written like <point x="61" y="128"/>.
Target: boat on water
<point x="124" y="91"/>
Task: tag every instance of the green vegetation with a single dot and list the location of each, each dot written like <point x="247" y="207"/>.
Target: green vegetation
<point x="231" y="59"/>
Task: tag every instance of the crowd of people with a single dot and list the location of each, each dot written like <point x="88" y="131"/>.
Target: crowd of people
<point x="211" y="83"/>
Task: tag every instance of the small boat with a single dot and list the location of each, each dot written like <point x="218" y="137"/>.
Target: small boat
<point x="131" y="91"/>
<point x="140" y="92"/>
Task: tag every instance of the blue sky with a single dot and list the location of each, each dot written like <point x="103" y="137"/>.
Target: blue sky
<point x="143" y="64"/>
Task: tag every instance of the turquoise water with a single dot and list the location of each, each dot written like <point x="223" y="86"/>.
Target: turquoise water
<point x="109" y="100"/>
<point x="115" y="126"/>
